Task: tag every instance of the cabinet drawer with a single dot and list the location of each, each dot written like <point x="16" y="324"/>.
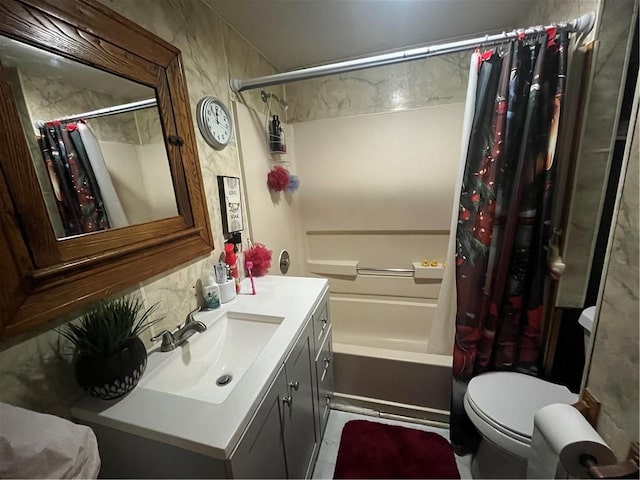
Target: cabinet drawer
<point x="321" y="323"/>
<point x="324" y="373"/>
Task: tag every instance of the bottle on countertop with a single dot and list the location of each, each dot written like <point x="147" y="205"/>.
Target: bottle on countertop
<point x="210" y="291"/>
<point x="232" y="261"/>
<point x="220" y="272"/>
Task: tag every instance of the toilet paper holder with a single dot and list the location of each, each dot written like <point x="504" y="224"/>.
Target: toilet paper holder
<point x="625" y="469"/>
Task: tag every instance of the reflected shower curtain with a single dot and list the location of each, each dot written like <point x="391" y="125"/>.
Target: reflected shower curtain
<point x="504" y="215"/>
<point x="89" y="141"/>
<point x="74" y="185"/>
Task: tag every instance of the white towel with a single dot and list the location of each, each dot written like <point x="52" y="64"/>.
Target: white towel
<point x="36" y="445"/>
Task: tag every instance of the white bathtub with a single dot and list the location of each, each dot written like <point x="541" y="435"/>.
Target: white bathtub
<point x="380" y="359"/>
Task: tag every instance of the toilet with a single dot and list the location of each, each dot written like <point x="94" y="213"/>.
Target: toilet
<point x="502" y="405"/>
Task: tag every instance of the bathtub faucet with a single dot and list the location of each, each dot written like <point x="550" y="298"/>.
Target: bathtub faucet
<point x="172" y="340"/>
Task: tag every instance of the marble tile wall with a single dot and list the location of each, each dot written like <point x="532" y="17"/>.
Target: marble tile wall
<point x="149" y="127"/>
<point x="550" y="11"/>
<point x="37" y="374"/>
<point x="48" y="98"/>
<point x="421" y="83"/>
<point x="615" y="369"/>
<point x="34" y="374"/>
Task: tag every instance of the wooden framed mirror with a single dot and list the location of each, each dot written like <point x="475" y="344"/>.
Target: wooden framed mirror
<point x="79" y="82"/>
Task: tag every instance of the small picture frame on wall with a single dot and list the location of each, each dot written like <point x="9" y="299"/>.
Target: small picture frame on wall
<point x="230" y="204"/>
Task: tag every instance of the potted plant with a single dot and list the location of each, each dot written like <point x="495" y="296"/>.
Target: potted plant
<point x="110" y="358"/>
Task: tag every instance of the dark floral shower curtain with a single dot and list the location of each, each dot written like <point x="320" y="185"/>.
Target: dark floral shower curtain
<point x="72" y="179"/>
<point x="504" y="216"/>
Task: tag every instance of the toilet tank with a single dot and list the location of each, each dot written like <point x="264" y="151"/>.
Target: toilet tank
<point x="586" y="321"/>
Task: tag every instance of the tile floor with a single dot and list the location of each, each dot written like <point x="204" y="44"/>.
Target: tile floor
<point x="329" y="449"/>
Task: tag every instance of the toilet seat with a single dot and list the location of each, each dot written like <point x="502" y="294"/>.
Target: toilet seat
<point x="502" y="405"/>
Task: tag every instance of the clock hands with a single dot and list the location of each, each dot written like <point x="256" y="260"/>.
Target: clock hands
<point x="213" y="121"/>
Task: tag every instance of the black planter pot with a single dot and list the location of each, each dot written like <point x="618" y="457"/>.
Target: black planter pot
<point x="113" y="376"/>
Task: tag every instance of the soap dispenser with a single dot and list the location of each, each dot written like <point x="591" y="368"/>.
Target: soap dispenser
<point x="210" y="291"/>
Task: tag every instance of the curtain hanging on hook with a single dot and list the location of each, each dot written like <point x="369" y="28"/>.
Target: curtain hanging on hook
<point x="503" y="225"/>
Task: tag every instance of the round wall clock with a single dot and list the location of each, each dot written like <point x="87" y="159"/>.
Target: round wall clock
<point x="214" y="122"/>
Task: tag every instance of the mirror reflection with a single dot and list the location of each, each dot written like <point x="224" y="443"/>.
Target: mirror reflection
<point x="96" y="141"/>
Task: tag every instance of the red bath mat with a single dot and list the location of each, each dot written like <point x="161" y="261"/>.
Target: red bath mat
<point x="376" y="450"/>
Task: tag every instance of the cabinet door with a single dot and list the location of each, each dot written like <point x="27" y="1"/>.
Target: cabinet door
<point x="260" y="453"/>
<point x="299" y="410"/>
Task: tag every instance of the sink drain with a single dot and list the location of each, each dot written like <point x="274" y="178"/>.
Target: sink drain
<point x="224" y="380"/>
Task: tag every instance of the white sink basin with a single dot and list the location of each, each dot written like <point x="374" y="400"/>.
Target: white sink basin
<point x="227" y="348"/>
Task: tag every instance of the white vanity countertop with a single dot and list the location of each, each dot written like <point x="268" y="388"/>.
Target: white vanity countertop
<point x="207" y="428"/>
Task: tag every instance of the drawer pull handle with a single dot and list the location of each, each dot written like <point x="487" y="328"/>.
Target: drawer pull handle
<point x="328" y="397"/>
<point x="321" y="334"/>
<point x="295" y="385"/>
<point x="288" y="399"/>
<point x="324" y="320"/>
<point x="327" y="362"/>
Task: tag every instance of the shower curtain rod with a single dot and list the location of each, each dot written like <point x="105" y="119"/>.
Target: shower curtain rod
<point x="103" y="112"/>
<point x="583" y="24"/>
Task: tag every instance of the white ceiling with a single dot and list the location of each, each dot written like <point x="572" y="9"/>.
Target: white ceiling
<point x="300" y="33"/>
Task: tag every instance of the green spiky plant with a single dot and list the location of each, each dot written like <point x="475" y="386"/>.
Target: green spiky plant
<point x="108" y="326"/>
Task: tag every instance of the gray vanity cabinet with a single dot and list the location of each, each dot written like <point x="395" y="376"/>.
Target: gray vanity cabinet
<point x="280" y="441"/>
<point x="260" y="453"/>
<point x="282" y="437"/>
<point x="299" y="409"/>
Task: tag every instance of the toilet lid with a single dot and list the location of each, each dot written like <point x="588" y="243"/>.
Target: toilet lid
<point x="511" y="399"/>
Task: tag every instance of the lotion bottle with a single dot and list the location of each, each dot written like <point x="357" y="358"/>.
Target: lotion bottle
<point x="210" y="291"/>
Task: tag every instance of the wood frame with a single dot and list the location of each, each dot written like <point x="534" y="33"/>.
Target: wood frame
<point x="44" y="277"/>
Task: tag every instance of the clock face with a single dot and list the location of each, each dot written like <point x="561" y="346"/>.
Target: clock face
<point x="214" y="122"/>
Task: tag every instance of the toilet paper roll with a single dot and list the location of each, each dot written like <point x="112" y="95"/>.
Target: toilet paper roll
<point x="561" y="436"/>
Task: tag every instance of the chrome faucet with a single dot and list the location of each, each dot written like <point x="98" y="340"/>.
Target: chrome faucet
<point x="172" y="340"/>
